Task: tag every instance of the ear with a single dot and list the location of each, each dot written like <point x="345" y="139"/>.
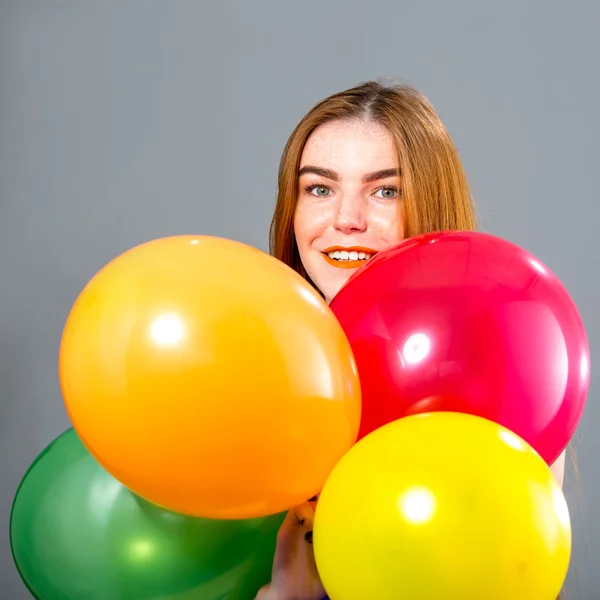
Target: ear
<point x="558" y="468"/>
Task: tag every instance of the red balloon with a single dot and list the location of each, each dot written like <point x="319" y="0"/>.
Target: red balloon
<point x="467" y="322"/>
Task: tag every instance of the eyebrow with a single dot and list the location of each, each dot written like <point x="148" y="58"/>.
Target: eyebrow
<point x="329" y="174"/>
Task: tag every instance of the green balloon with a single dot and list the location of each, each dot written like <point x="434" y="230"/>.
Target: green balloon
<point x="77" y="534"/>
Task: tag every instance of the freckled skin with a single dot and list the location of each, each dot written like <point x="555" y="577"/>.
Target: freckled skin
<point x="347" y="212"/>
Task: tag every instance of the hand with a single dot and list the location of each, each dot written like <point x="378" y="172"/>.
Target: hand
<point x="295" y="574"/>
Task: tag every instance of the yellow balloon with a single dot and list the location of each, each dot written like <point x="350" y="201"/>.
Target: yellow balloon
<point x="442" y="506"/>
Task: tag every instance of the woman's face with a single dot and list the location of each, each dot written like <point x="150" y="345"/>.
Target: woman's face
<point x="348" y="200"/>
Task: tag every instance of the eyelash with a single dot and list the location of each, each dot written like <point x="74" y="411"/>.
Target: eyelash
<point x="310" y="187"/>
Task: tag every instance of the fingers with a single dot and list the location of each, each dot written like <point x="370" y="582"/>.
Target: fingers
<point x="297" y="525"/>
<point x="289" y="530"/>
<point x="313" y="503"/>
<point x="298" y="522"/>
<point x="266" y="593"/>
<point x="294" y="566"/>
<point x="262" y="593"/>
<point x="305" y="514"/>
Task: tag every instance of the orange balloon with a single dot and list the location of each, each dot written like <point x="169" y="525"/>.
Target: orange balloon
<point x="209" y="378"/>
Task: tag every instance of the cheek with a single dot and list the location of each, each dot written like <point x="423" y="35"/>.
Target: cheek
<point x="309" y="224"/>
<point x="390" y="225"/>
<point x="300" y="230"/>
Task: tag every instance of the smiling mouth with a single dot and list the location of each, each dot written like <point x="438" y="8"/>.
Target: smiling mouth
<point x="348" y="258"/>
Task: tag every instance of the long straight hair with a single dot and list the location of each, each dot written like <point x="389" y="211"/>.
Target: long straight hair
<point x="434" y="184"/>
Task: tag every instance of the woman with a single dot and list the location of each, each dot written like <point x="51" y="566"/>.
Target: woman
<point x="364" y="169"/>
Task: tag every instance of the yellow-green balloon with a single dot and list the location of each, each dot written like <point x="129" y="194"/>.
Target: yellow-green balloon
<point x="442" y="506"/>
<point x="78" y="534"/>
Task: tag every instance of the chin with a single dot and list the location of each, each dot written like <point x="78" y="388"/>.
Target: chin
<point x="329" y="279"/>
<point x="334" y="285"/>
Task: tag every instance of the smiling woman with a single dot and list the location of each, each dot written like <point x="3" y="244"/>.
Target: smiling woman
<point x="364" y="169"/>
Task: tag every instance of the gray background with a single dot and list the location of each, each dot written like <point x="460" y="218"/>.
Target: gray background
<point x="123" y="121"/>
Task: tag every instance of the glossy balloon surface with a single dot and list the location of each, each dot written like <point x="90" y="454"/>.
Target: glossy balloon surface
<point x="467" y="322"/>
<point x="443" y="505"/>
<point x="209" y="378"/>
<point x="78" y="534"/>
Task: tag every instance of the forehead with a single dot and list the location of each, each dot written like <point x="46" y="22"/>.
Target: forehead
<point x="350" y="147"/>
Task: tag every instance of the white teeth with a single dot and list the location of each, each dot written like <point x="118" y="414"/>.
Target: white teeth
<point x="348" y="255"/>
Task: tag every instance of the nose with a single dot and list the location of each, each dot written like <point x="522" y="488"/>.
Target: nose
<point x="350" y="216"/>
